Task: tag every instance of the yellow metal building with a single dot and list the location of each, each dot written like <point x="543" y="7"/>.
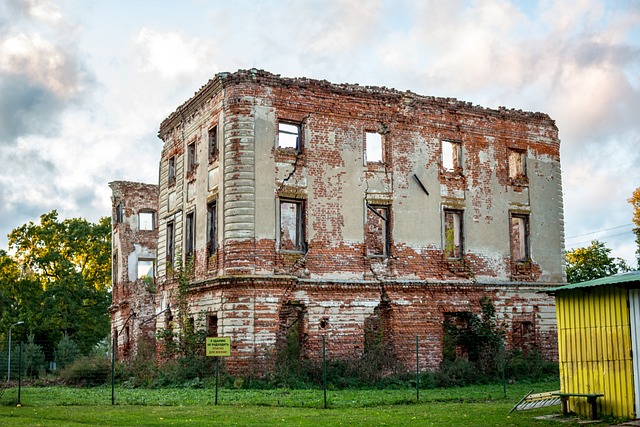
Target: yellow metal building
<point x="598" y="324"/>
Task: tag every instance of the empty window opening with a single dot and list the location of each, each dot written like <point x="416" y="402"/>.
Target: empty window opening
<point x="373" y="147"/>
<point x="145" y="269"/>
<point x="378" y="343"/>
<point x="127" y="342"/>
<point x="519" y="238"/>
<point x="213" y="144"/>
<point x="191" y="157"/>
<point x="292" y="225"/>
<point x="119" y="213"/>
<point x="146" y="221"/>
<point x="172" y="170"/>
<point x="114" y="268"/>
<point x="289" y="136"/>
<point x="453" y="233"/>
<point x="451" y="155"/>
<point x="517" y="164"/>
<point x="189" y="229"/>
<point x="377" y="230"/>
<point x="212" y="227"/>
<point x="212" y="325"/>
<point x="291" y="336"/>
<point x="170" y="243"/>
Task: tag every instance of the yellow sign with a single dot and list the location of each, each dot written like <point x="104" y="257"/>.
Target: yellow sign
<point x="219" y="346"/>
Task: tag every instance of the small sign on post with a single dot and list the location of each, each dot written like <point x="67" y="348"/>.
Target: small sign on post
<point x="218" y="347"/>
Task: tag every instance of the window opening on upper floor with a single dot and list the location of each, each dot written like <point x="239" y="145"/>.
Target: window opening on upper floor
<point x="146" y="268"/>
<point x="170" y="242"/>
<point x="289" y="136"/>
<point x="171" y="173"/>
<point x="451" y="158"/>
<point x="190" y="235"/>
<point x="213" y="144"/>
<point x="119" y="213"/>
<point x="519" y="237"/>
<point x="191" y="157"/>
<point x="373" y="147"/>
<point x="517" y="164"/>
<point x="292" y="225"/>
<point x="146" y="220"/>
<point x="377" y="230"/>
<point x="212" y="227"/>
<point x="114" y="268"/>
<point x="453" y="233"/>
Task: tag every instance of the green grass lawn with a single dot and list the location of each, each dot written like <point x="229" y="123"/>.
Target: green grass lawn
<point x="466" y="406"/>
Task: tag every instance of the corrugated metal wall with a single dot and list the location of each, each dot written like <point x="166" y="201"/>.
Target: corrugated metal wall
<point x="594" y="348"/>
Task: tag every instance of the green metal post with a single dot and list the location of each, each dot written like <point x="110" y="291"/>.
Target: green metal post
<point x="504" y="375"/>
<point x="417" y="372"/>
<point x="324" y="370"/>
<point x="20" y="374"/>
<point x="114" y="348"/>
<point x="217" y="370"/>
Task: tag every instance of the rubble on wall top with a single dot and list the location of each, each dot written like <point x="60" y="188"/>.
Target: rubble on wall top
<point x="270" y="79"/>
<point x="121" y="183"/>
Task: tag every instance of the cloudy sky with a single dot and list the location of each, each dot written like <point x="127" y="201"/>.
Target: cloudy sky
<point x="84" y="85"/>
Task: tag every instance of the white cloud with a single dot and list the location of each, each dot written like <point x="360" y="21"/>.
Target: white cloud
<point x="41" y="61"/>
<point x="171" y="54"/>
<point x="44" y="11"/>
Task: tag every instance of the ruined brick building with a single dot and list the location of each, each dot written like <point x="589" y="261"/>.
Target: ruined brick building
<point x="324" y="208"/>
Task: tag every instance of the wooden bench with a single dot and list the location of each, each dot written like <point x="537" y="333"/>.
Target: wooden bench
<point x="591" y="400"/>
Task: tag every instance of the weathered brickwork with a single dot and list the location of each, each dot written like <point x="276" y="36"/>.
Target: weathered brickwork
<point x="454" y="203"/>
<point x="134" y="241"/>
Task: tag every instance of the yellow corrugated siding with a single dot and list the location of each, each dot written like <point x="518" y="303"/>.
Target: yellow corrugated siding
<point x="594" y="348"/>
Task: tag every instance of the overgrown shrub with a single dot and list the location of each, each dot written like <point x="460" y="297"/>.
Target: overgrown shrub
<point x="529" y="365"/>
<point x="87" y="371"/>
<point x="458" y="373"/>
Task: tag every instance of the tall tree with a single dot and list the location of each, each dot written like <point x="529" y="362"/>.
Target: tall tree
<point x="592" y="262"/>
<point x="63" y="286"/>
<point x="635" y="201"/>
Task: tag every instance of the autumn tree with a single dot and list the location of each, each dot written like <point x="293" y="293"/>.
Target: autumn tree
<point x="57" y="279"/>
<point x="635" y="202"/>
<point x="592" y="262"/>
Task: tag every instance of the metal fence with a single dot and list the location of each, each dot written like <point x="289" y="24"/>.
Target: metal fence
<point x="27" y="367"/>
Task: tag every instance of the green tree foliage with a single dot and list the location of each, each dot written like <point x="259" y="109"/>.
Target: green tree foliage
<point x="635" y="202"/>
<point x="66" y="352"/>
<point x="592" y="262"/>
<point x="33" y="357"/>
<point x="57" y="280"/>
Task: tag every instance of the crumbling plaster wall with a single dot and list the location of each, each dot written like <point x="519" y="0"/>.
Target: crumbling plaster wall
<point x="133" y="300"/>
<point x="331" y="174"/>
<point x="334" y="279"/>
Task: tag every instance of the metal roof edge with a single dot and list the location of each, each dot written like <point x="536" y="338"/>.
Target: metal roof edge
<point x="619" y="278"/>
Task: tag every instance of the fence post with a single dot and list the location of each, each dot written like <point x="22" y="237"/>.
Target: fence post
<point x="20" y="374"/>
<point x="417" y="371"/>
<point x="504" y="375"/>
<point x="113" y="370"/>
<point x="324" y="370"/>
<point x="217" y="371"/>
